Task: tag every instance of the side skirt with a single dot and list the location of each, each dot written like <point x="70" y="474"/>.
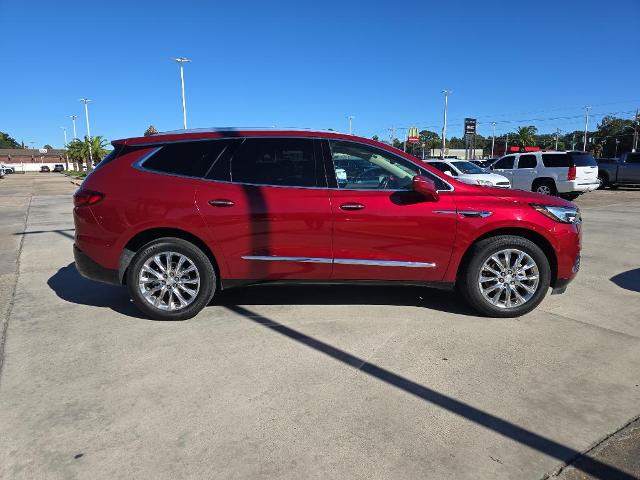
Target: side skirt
<point x="233" y="283"/>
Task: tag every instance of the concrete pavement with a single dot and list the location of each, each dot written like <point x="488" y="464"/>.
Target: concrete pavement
<point x="309" y="382"/>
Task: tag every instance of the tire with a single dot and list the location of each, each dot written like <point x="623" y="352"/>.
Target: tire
<point x="613" y="186"/>
<point x="170" y="251"/>
<point x="472" y="289"/>
<point x="604" y="181"/>
<point x="546" y="187"/>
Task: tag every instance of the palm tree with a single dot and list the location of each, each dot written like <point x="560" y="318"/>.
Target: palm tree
<point x="98" y="150"/>
<point x="75" y="150"/>
<point x="526" y="136"/>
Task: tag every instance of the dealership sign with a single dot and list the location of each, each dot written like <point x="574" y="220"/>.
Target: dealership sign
<point x="469" y="126"/>
<point x="413" y="136"/>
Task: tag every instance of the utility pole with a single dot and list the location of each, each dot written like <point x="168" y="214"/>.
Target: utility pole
<point x="181" y="61"/>
<point x="557" y="135"/>
<point x="635" y="132"/>
<point x="350" y="117"/>
<point x="506" y="144"/>
<point x="86" y="114"/>
<point x="573" y="141"/>
<point x="493" y="139"/>
<point x="444" y="127"/>
<point x="73" y="119"/>
<point x="586" y="126"/>
<point x="392" y="132"/>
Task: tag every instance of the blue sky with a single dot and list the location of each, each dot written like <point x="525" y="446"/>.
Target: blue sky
<point x="311" y="64"/>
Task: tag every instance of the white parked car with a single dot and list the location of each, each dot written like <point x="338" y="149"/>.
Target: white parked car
<point x="567" y="174"/>
<point x="468" y="172"/>
<point x="7" y="169"/>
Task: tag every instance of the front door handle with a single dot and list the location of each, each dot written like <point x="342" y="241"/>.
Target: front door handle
<point x="221" y="202"/>
<point x="352" y="206"/>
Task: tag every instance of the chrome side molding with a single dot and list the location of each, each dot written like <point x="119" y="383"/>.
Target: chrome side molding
<point x="341" y="261"/>
<point x="465" y="213"/>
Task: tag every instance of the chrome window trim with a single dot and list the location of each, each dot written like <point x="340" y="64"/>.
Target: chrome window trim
<point x="341" y="261"/>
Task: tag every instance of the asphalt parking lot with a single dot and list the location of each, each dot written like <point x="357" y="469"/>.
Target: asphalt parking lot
<point x="309" y="382"/>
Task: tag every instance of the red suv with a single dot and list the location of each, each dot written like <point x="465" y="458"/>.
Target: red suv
<point x="177" y="216"/>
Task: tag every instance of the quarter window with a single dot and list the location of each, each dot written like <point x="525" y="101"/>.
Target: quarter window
<point x="190" y="159"/>
<point x="527" y="161"/>
<point x="362" y="167"/>
<point x="286" y="162"/>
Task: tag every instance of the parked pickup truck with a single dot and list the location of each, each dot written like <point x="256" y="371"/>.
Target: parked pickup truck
<point x="624" y="170"/>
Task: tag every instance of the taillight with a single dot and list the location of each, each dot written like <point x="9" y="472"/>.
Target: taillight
<point x="571" y="175"/>
<point x="83" y="198"/>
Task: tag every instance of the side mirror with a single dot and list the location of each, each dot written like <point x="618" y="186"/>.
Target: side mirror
<point x="426" y="187"/>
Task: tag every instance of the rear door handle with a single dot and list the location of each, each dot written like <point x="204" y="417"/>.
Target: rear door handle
<point x="352" y="206"/>
<point x="221" y="202"/>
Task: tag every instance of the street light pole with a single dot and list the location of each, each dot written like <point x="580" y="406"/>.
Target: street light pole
<point x="66" y="155"/>
<point x="181" y="61"/>
<point x="493" y="139"/>
<point x="73" y="119"/>
<point x="444" y="126"/>
<point x="586" y="126"/>
<point x="635" y="132"/>
<point x="86" y="114"/>
<point x="557" y="135"/>
<point x="350" y="117"/>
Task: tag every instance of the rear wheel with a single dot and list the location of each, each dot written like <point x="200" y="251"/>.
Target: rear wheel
<point x="507" y="276"/>
<point x="546" y="187"/>
<point x="171" y="279"/>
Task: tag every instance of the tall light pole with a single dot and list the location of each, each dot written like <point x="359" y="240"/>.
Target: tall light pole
<point x="86" y="114"/>
<point x="73" y="119"/>
<point x="350" y="117"/>
<point x="557" y="136"/>
<point x="181" y="61"/>
<point x="586" y="126"/>
<point x="635" y="132"/>
<point x="493" y="139"/>
<point x="66" y="155"/>
<point x="444" y="126"/>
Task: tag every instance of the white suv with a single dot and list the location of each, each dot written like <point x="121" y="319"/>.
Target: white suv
<point x="567" y="174"/>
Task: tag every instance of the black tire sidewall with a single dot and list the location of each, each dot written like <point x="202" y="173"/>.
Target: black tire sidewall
<point x="549" y="183"/>
<point x="205" y="270"/>
<point x="481" y="252"/>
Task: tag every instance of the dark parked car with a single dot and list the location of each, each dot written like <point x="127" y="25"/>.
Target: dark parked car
<point x="44" y="169"/>
<point x="624" y="170"/>
<point x="178" y="216"/>
<point x="58" y="168"/>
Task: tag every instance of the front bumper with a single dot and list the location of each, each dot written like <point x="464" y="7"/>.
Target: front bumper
<point x="92" y="270"/>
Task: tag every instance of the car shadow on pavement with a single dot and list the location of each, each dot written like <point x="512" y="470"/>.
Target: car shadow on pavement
<point x="629" y="280"/>
<point x="72" y="287"/>
<point x="540" y="443"/>
<point x="409" y="296"/>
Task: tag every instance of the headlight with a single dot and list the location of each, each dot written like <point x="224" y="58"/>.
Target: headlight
<point x="484" y="183"/>
<point x="559" y="214"/>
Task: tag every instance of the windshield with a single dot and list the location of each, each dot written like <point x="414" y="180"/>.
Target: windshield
<point x="467" y="167"/>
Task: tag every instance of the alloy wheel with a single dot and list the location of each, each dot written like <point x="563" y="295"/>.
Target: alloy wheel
<point x="509" y="278"/>
<point x="169" y="281"/>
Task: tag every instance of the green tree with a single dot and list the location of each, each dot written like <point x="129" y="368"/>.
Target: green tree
<point x="7" y="142"/>
<point x="79" y="151"/>
<point x="376" y="138"/>
<point x="75" y="150"/>
<point x="150" y="131"/>
<point x="525" y="136"/>
<point x="48" y="147"/>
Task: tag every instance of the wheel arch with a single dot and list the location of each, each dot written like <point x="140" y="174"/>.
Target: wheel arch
<point x="143" y="237"/>
<point x="531" y="235"/>
<point x="542" y="180"/>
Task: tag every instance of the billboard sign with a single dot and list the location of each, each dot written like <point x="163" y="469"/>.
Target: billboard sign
<point x="413" y="136"/>
<point x="469" y="126"/>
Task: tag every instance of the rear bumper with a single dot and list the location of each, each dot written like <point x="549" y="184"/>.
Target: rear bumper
<point x="577" y="186"/>
<point x="92" y="270"/>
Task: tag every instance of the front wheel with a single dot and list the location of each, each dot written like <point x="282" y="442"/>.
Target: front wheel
<point x="506" y="276"/>
<point x="171" y="279"/>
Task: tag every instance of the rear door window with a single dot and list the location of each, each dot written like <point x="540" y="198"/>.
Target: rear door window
<point x="286" y="162"/>
<point x="527" y="161"/>
<point x="505" y="163"/>
<point x="189" y="159"/>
